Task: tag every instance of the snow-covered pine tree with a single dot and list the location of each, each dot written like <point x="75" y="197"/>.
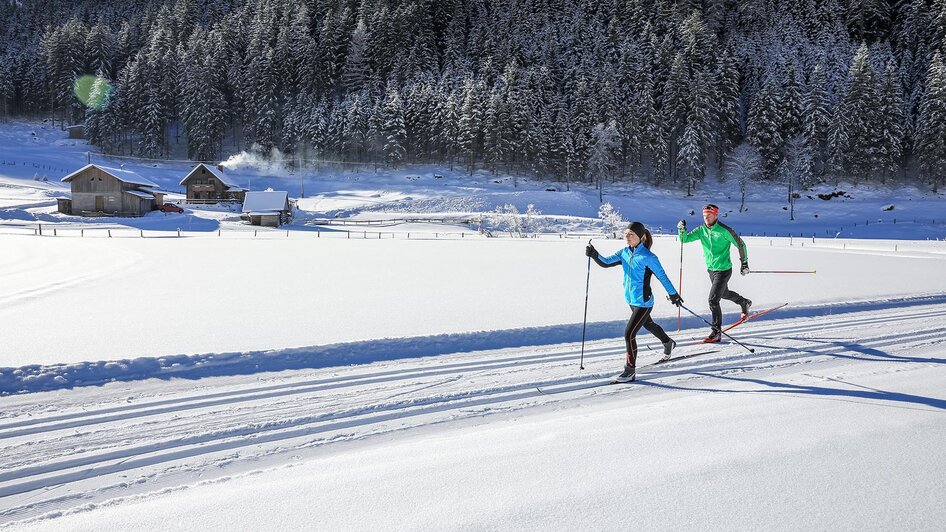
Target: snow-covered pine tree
<point x="447" y="134"/>
<point x="395" y="134"/>
<point x="890" y="125"/>
<point x="816" y="120"/>
<point x="353" y="74"/>
<point x="727" y="130"/>
<point x="355" y="133"/>
<point x="856" y="120"/>
<point x="493" y="131"/>
<point x="790" y="105"/>
<point x="764" y="131"/>
<point x="931" y="125"/>
<point x="691" y="159"/>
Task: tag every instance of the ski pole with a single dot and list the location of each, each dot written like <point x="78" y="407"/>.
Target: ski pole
<point x="584" y="322"/>
<point x="724" y="334"/>
<point x="680" y="287"/>
<point x="783" y="271"/>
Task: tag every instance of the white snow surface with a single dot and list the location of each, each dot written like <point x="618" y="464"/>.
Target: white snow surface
<point x="414" y="374"/>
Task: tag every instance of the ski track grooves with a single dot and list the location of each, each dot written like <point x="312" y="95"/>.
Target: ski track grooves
<point x="246" y="426"/>
<point x="193" y="402"/>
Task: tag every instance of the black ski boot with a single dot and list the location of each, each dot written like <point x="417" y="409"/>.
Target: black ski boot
<point x="668" y="348"/>
<point x="746" y="303"/>
<point x="628" y="375"/>
<point x="713" y="338"/>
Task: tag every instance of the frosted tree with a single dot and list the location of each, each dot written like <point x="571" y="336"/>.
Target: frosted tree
<point x="610" y="218"/>
<point x="745" y="165"/>
<point x="533" y="221"/>
<point x="794" y="170"/>
<point x="507" y="218"/>
<point x="604" y="150"/>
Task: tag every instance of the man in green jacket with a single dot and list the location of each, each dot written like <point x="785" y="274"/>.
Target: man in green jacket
<point x="716" y="238"/>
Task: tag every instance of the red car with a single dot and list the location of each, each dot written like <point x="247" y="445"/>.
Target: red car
<point x="169" y="207"/>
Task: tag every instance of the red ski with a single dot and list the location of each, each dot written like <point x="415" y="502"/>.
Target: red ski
<point x="753" y="316"/>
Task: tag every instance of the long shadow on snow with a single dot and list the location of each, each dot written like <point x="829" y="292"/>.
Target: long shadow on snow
<point x="781" y="387"/>
<point x="37" y="378"/>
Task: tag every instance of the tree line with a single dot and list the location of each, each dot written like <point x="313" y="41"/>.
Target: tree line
<point x="665" y="91"/>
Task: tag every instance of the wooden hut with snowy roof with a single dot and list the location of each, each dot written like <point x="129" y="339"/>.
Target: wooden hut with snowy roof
<point x="268" y="207"/>
<point x="102" y="190"/>
<point x="206" y="184"/>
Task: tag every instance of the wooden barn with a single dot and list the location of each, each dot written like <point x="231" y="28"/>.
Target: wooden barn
<point x="269" y="208"/>
<point x="206" y="184"/>
<point x="99" y="190"/>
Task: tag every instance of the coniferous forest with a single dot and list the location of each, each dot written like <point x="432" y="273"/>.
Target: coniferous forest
<point x="659" y="91"/>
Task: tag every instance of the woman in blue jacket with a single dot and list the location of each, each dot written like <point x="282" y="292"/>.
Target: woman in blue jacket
<point x="639" y="265"/>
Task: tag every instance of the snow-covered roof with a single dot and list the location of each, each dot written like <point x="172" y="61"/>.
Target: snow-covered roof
<point x="140" y="193"/>
<point x="125" y="176"/>
<point x="233" y="187"/>
<point x="266" y="202"/>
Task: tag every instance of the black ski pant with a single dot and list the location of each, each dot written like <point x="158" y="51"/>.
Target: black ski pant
<point x="720" y="290"/>
<point x="640" y="317"/>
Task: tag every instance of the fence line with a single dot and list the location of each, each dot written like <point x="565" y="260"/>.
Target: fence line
<point x="118" y="231"/>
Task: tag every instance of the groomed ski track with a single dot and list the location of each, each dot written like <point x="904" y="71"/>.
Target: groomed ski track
<point x="72" y="450"/>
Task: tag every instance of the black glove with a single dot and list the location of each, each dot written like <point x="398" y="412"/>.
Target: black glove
<point x="682" y="225"/>
<point x="591" y="251"/>
<point x="676" y="299"/>
<point x="745" y="268"/>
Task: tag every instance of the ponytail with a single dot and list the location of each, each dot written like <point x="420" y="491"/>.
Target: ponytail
<point x="647" y="239"/>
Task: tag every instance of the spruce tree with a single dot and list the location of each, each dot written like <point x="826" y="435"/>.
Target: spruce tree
<point x="931" y="125"/>
<point x="395" y="135"/>
<point x="816" y="120"/>
<point x="764" y="131"/>
<point x="856" y="120"/>
<point x="889" y="129"/>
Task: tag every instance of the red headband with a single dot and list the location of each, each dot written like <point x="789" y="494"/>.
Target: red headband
<point x="714" y="212"/>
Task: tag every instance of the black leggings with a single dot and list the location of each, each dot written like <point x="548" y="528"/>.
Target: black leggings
<point x="640" y="317"/>
<point x="720" y="290"/>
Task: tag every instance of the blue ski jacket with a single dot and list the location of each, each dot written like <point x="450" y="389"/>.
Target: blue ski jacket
<point x="639" y="265"/>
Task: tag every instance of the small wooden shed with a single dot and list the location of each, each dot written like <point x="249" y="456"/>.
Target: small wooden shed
<point x="77" y="131"/>
<point x="270" y="208"/>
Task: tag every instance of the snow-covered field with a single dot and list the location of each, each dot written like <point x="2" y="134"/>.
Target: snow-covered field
<point x="296" y="379"/>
